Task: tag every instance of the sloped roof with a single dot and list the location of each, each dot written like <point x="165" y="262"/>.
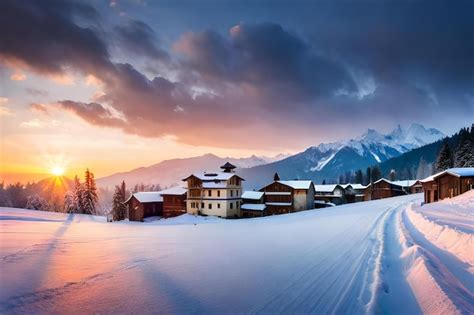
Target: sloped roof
<point x="255" y="195"/>
<point x="455" y="171"/>
<point x="358" y="186"/>
<point x="213" y="176"/>
<point x="253" y="206"/>
<point x="326" y="188"/>
<point x="296" y="184"/>
<point x="147" y="196"/>
<point x="177" y="190"/>
<point x="405" y="183"/>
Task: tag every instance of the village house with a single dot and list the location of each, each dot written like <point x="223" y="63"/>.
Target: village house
<point x="285" y="196"/>
<point x="217" y="194"/>
<point x="357" y="190"/>
<point x="253" y="204"/>
<point x="144" y="204"/>
<point x="447" y="184"/>
<point x="174" y="201"/>
<point x="383" y="188"/>
<point x="410" y="186"/>
<point x="332" y="194"/>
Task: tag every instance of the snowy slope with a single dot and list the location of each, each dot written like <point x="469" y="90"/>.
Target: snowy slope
<point x="343" y="259"/>
<point x="439" y="254"/>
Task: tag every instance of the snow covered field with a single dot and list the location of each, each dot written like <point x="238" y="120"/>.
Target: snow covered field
<point x="389" y="256"/>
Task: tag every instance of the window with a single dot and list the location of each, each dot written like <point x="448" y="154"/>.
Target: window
<point x="232" y="194"/>
<point x="218" y="193"/>
<point x="209" y="193"/>
<point x="202" y="204"/>
<point x="193" y="205"/>
<point x="210" y="206"/>
<point x="232" y="205"/>
<point x="218" y="205"/>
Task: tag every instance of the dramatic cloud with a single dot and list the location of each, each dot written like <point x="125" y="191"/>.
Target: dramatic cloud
<point x="370" y="62"/>
<point x="139" y="39"/>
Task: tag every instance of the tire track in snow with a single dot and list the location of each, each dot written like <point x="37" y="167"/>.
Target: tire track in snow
<point x="428" y="271"/>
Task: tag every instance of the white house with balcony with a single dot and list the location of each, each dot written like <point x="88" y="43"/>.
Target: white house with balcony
<point x="215" y="193"/>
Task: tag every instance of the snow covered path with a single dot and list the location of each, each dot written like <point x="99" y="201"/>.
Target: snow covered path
<point x="343" y="259"/>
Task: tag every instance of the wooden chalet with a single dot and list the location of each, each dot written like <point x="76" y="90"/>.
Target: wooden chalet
<point x="253" y="204"/>
<point x="286" y="196"/>
<point x="447" y="184"/>
<point x="410" y="186"/>
<point x="174" y="201"/>
<point x="144" y="204"/>
<point x="383" y="188"/>
<point x="330" y="194"/>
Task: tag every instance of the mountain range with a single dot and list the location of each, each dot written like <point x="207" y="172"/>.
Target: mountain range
<point x="324" y="161"/>
<point x="170" y="172"/>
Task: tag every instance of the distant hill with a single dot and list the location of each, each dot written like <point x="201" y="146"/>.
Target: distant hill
<point x="171" y="172"/>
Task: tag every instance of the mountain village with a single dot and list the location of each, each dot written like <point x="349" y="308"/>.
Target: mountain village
<point x="221" y="194"/>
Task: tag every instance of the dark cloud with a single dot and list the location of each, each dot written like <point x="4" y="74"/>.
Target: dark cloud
<point x="348" y="64"/>
<point x="139" y="39"/>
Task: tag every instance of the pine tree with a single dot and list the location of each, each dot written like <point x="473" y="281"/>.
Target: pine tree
<point x="276" y="177"/>
<point x="464" y="153"/>
<point x="324" y="182"/>
<point x="70" y="205"/>
<point x="119" y="209"/>
<point x="376" y="173"/>
<point x="78" y="203"/>
<point x="392" y="176"/>
<point x="89" y="194"/>
<point x="359" y="177"/>
<point x="444" y="159"/>
<point x="368" y="176"/>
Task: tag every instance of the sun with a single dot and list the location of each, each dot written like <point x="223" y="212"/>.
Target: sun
<point x="57" y="171"/>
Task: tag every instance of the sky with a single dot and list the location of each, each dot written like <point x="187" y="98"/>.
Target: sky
<point x="114" y="85"/>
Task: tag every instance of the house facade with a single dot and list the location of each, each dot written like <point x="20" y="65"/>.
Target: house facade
<point x="383" y="188"/>
<point x="174" y="201"/>
<point x="288" y="196"/>
<point x="333" y="194"/>
<point x="253" y="204"/>
<point x="141" y="205"/>
<point x="448" y="184"/>
<point x="217" y="194"/>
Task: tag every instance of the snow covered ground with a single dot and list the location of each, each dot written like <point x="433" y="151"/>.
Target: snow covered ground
<point x="385" y="256"/>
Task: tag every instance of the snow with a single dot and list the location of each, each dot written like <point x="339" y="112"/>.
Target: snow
<point x="323" y="162"/>
<point x="325" y="188"/>
<point x="297" y="184"/>
<point x="277" y="193"/>
<point x="253" y="207"/>
<point x="147" y="196"/>
<point x="278" y="203"/>
<point x="405" y="183"/>
<point x="177" y="190"/>
<point x="211" y="176"/>
<point x="376" y="157"/>
<point x="461" y="171"/>
<point x="253" y="195"/>
<point x="367" y="257"/>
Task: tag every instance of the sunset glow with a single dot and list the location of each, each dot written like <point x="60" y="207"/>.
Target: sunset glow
<point x="57" y="171"/>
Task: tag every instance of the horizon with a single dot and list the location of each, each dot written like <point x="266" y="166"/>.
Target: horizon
<point x="137" y="83"/>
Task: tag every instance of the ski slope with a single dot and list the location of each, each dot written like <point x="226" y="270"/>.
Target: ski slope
<point x="356" y="258"/>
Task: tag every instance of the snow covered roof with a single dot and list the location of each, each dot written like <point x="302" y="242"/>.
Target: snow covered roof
<point x="456" y="171"/>
<point x="253" y="207"/>
<point x="297" y="184"/>
<point x="386" y="180"/>
<point x="174" y="191"/>
<point x="277" y="193"/>
<point x="405" y="183"/>
<point x="254" y="195"/>
<point x="147" y="196"/>
<point x="278" y="203"/>
<point x="213" y="176"/>
<point x="357" y="186"/>
<point x="461" y="171"/>
<point x="326" y="188"/>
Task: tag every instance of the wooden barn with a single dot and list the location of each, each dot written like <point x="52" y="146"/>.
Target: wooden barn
<point x="448" y="184"/>
<point x="285" y="196"/>
<point x="253" y="204"/>
<point x="383" y="188"/>
<point x="144" y="204"/>
<point x="174" y="201"/>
